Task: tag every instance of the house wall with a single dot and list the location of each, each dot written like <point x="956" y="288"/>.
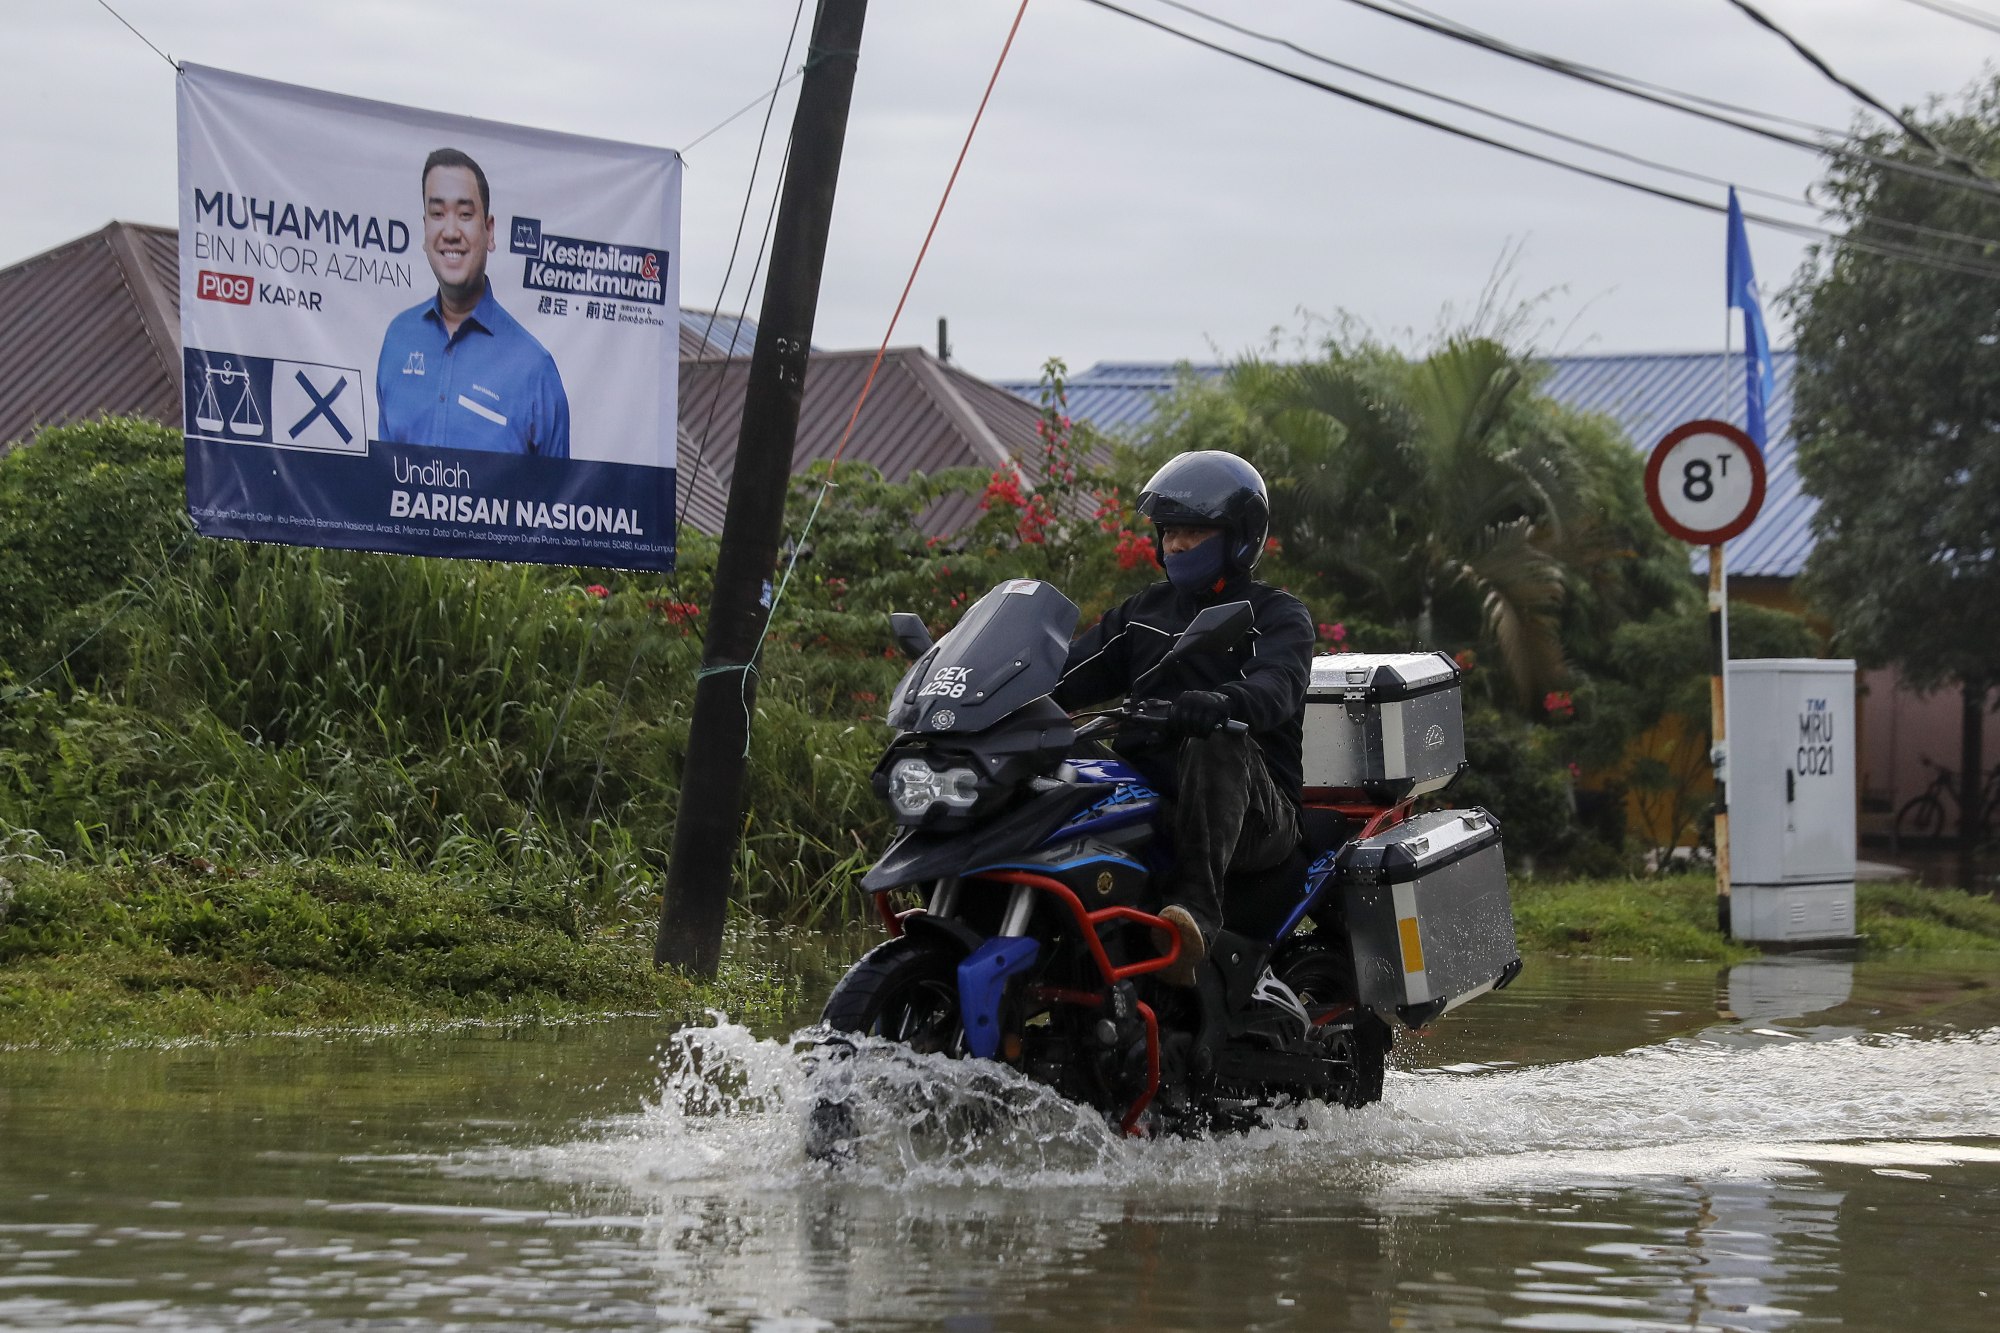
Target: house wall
<point x="1900" y="729"/>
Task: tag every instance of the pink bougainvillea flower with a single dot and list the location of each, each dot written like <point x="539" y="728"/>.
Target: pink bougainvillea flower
<point x="598" y="590"/>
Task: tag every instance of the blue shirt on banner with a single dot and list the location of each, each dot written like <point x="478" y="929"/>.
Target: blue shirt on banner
<point x="489" y="385"/>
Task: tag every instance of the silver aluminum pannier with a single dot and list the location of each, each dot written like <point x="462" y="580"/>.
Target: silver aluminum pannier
<point x="1389" y="725"/>
<point x="1428" y="914"/>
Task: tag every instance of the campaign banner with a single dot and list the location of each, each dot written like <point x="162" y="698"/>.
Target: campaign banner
<point x="422" y="333"/>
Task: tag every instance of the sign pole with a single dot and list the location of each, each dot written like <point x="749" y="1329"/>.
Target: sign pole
<point x="1718" y="721"/>
<point x="1705" y="484"/>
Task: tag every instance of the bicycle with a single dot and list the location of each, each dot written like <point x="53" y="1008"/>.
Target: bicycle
<point x="1924" y="816"/>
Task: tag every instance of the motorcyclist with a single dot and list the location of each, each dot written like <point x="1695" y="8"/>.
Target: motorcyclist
<point x="1235" y="795"/>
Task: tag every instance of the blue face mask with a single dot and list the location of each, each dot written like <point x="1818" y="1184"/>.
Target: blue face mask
<point x="1195" y="572"/>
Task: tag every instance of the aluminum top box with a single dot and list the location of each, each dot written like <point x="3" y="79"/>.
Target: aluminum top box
<point x="1387" y="726"/>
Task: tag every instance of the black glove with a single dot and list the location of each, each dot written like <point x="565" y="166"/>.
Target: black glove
<point x="1199" y="712"/>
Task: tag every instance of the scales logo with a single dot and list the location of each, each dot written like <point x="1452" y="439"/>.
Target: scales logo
<point x="1434" y="737"/>
<point x="234" y="288"/>
<point x="274" y="402"/>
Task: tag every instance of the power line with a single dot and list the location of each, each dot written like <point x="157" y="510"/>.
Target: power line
<point x="1963" y="13"/>
<point x="1458" y="103"/>
<point x="1631" y="88"/>
<point x="1862" y="95"/>
<point x="1884" y="248"/>
<point x="868" y="384"/>
<point x="1561" y="64"/>
<point x="1913" y="228"/>
<point x="743" y="214"/>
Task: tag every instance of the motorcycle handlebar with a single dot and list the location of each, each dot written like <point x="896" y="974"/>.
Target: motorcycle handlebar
<point x="1145" y="710"/>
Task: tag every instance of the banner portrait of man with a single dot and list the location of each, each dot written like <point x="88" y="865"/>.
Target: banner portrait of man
<point x="458" y="371"/>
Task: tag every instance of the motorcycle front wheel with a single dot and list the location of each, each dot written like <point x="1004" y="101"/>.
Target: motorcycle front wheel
<point x="903" y="990"/>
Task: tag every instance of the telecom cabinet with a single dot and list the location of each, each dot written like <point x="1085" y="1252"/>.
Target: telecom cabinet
<point x="1791" y="799"/>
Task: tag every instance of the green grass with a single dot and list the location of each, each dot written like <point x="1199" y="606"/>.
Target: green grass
<point x="1665" y="919"/>
<point x="181" y="949"/>
<point x="1903" y="916"/>
<point x="174" y="951"/>
<point x="1674" y="918"/>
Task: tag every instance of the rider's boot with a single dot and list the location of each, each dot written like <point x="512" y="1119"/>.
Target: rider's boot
<point x="1194" y="949"/>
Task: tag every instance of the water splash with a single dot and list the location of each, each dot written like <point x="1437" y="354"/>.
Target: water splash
<point x="732" y="1117"/>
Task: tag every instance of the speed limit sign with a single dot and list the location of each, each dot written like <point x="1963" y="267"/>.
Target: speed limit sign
<point x="1705" y="482"/>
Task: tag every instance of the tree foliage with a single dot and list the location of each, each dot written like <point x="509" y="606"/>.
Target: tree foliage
<point x="1444" y="496"/>
<point x="80" y="510"/>
<point x="1898" y="403"/>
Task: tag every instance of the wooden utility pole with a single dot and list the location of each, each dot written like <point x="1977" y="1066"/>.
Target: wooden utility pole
<point x="710" y="823"/>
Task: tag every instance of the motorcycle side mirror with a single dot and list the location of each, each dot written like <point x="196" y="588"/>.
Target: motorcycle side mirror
<point x="911" y="634"/>
<point x="1214" y="629"/>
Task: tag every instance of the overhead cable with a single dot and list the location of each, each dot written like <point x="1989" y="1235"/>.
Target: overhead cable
<point x="1563" y="63"/>
<point x="1913" y="228"/>
<point x="1916" y="132"/>
<point x="1963" y="13"/>
<point x="735" y="245"/>
<point x="1886" y="249"/>
<point x="1672" y="101"/>
<point x="826" y="483"/>
<point x="1462" y="105"/>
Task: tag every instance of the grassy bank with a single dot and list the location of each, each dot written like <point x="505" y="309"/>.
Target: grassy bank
<point x="184" y="950"/>
<point x="1674" y="919"/>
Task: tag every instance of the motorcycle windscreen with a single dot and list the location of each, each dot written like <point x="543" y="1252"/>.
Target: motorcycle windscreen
<point x="1009" y="649"/>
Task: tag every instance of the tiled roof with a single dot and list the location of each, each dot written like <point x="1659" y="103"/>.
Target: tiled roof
<point x="923" y="415"/>
<point x="1646" y="394"/>
<point x="89" y="327"/>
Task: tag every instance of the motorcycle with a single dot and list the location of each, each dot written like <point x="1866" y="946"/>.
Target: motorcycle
<point x="1037" y="854"/>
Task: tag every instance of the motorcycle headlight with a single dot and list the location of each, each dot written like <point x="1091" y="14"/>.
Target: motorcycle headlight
<point x="914" y="787"/>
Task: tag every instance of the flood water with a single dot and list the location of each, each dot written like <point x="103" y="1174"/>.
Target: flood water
<point x="1605" y="1146"/>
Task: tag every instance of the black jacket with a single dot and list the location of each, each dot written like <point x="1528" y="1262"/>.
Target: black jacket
<point x="1265" y="679"/>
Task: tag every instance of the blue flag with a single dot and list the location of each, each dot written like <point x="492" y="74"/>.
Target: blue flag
<point x="1743" y="295"/>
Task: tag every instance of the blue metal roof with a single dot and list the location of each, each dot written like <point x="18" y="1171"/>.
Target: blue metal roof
<point x="696" y="322"/>
<point x="1116" y="395"/>
<point x="1646" y="394"/>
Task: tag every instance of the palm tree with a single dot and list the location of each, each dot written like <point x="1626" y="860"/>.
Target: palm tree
<point x="1441" y="494"/>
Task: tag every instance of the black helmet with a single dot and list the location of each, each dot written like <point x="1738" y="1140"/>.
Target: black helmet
<point x="1211" y="489"/>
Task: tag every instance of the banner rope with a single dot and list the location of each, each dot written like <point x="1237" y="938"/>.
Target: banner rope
<point x="140" y="35"/>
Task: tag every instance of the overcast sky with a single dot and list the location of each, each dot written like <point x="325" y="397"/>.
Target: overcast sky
<point x="1129" y="196"/>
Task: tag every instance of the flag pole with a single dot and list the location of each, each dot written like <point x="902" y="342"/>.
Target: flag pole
<point x="1718" y="679"/>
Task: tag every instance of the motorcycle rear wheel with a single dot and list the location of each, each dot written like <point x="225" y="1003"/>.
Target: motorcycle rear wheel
<point x="1323" y="978"/>
<point x="903" y="990"/>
